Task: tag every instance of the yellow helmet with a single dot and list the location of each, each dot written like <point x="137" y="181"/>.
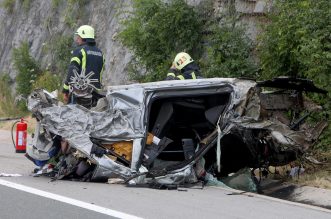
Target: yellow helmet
<point x="182" y="59"/>
<point x="86" y="32"/>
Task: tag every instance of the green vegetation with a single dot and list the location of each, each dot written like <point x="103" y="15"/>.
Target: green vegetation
<point x="26" y="4"/>
<point x="297" y="43"/>
<point x="230" y="54"/>
<point x="228" y="49"/>
<point x="157" y="31"/>
<point x="48" y="81"/>
<point x="317" y="175"/>
<point x="61" y="48"/>
<point x="74" y="12"/>
<point x="7" y="106"/>
<point x="8" y="5"/>
<point x="27" y="68"/>
<point x="55" y="3"/>
<point x="69" y="13"/>
<point x="27" y="72"/>
<point x="30" y="76"/>
<point x="68" y="17"/>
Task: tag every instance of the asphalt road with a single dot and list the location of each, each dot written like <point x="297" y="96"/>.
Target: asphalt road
<point x="19" y="204"/>
<point x="38" y="197"/>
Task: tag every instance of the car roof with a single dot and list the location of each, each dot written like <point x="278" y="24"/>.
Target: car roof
<point x="175" y="84"/>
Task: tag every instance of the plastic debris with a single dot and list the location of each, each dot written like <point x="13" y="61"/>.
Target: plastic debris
<point x="241" y="180"/>
<point x="213" y="181"/>
<point x="9" y="174"/>
<point x="115" y="181"/>
<point x="296" y="171"/>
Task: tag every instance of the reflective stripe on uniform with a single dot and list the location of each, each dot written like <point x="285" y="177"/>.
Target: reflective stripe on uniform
<point x="76" y="59"/>
<point x="171" y="74"/>
<point x="193" y="75"/>
<point x="66" y="87"/>
<point x="83" y="59"/>
<point x="181" y="77"/>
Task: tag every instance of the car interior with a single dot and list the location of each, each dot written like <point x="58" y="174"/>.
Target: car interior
<point x="186" y="121"/>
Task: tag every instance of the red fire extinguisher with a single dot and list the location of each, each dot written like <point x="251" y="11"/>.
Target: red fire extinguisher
<point x="21" y="136"/>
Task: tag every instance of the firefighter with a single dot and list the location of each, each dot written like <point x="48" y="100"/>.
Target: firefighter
<point x="183" y="67"/>
<point x="83" y="80"/>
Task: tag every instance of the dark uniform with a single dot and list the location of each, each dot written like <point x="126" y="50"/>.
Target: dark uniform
<point x="190" y="71"/>
<point x="85" y="70"/>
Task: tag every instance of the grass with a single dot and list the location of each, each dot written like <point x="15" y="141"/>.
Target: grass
<point x="7" y="101"/>
<point x="317" y="175"/>
<point x="8" y="108"/>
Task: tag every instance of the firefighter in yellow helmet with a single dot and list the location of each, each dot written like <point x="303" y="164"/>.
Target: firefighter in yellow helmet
<point x="83" y="80"/>
<point x="183" y="67"/>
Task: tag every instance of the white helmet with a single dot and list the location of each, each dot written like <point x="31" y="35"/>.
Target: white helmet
<point x="86" y="32"/>
<point x="182" y="59"/>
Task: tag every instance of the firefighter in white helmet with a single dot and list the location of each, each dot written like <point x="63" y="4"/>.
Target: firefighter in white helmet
<point x="84" y="76"/>
<point x="183" y="67"/>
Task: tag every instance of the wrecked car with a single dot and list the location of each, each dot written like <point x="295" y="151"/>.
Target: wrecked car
<point x="173" y="132"/>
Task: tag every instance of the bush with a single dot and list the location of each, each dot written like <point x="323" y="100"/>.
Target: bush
<point x="229" y="53"/>
<point x="27" y="67"/>
<point x="297" y="43"/>
<point x="8" y="5"/>
<point x="157" y="31"/>
<point x="227" y="48"/>
<point x="48" y="81"/>
<point x="61" y="47"/>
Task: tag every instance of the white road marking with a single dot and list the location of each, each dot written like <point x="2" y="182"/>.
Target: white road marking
<point x="67" y="200"/>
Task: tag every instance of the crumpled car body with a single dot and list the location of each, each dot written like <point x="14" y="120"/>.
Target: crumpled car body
<point x="173" y="132"/>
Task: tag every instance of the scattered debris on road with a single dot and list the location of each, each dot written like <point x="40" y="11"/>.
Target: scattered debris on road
<point x="9" y="175"/>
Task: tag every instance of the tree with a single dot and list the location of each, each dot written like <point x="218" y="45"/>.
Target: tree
<point x="27" y="67"/>
<point x="157" y="31"/>
<point x="297" y="43"/>
<point x="229" y="53"/>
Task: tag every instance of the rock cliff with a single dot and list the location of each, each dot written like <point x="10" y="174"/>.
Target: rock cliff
<point x="38" y="21"/>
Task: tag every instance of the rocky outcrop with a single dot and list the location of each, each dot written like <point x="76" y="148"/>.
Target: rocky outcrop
<point x="42" y="20"/>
